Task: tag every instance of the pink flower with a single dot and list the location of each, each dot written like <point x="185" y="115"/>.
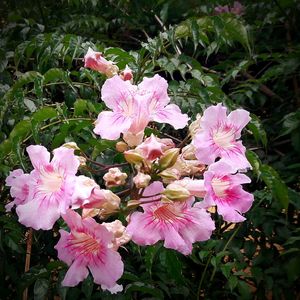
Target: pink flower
<point x="221" y="9"/>
<point x="177" y="223"/>
<point x="225" y="191"/>
<point x="95" y="61"/>
<point x="51" y="185"/>
<point x="153" y="147"/>
<point x="88" y="246"/>
<point x="219" y="136"/>
<point x="237" y="8"/>
<point x="133" y="107"/>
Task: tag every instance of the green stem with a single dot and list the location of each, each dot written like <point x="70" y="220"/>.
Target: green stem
<point x="203" y="275"/>
<point x="224" y="249"/>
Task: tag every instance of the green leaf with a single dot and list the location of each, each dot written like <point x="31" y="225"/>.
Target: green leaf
<point x="276" y="185"/>
<point x="144" y="288"/>
<point x="41" y="289"/>
<point x="172" y="264"/>
<point x="257" y="129"/>
<point x="232" y="282"/>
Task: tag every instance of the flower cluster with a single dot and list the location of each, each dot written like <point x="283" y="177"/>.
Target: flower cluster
<point x="236" y="9"/>
<point x="174" y="186"/>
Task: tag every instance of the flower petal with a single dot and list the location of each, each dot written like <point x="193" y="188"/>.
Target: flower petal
<point x="76" y="273"/>
<point x="38" y="214"/>
<point x="63" y="252"/>
<point x="213" y="116"/>
<point x="157" y="86"/>
<point x="38" y="155"/>
<point x="171" y="114"/>
<point x="109" y="125"/>
<point x="239" y="118"/>
<point x="107" y="268"/>
<point x="65" y="159"/>
<point x="115" y="90"/>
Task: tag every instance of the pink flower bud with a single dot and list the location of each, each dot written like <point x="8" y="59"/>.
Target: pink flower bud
<point x="121" y="237"/>
<point x="126" y="74"/>
<point x="114" y="177"/>
<point x="141" y="180"/>
<point x="133" y="139"/>
<point x="176" y="192"/>
<point x="194" y="186"/>
<point x="95" y="61"/>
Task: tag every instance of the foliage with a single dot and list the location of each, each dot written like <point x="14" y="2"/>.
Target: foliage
<point x="250" y="61"/>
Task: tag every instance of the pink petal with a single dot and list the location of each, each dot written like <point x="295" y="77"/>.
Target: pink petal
<point x="64" y="159"/>
<point x="213" y="117"/>
<point x="205" y="151"/>
<point x="143" y="230"/>
<point x="235" y="156"/>
<point x="73" y="220"/>
<point x="109" y="125"/>
<point x="38" y="214"/>
<point x="200" y="227"/>
<point x="157" y="86"/>
<point x="38" y="155"/>
<point x="115" y="90"/>
<point x="107" y="268"/>
<point x="76" y="273"/>
<point x="63" y="252"/>
<point x="239" y="118"/>
<point x="171" y="114"/>
<point x="230" y="215"/>
<point x="174" y="241"/>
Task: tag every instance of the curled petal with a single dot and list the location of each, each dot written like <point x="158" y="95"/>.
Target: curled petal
<point x="38" y="155"/>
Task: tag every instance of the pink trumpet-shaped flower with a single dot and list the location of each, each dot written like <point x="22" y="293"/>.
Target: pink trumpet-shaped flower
<point x="89" y="246"/>
<point x="219" y="136"/>
<point x="133" y="107"/>
<point x="225" y="191"/>
<point x="95" y="61"/>
<point x="20" y="187"/>
<point x="48" y="188"/>
<point x="177" y="223"/>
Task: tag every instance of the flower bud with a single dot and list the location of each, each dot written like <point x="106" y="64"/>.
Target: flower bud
<point x="71" y="145"/>
<point x="114" y="177"/>
<point x="169" y="175"/>
<point x="82" y="161"/>
<point x="95" y="61"/>
<point x="176" y="192"/>
<point x="133" y="157"/>
<point x="141" y="180"/>
<point x="169" y="158"/>
<point x="121" y="147"/>
<point x="126" y="74"/>
<point x="133" y="204"/>
<point x="194" y="127"/>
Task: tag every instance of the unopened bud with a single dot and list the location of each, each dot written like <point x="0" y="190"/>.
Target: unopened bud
<point x="176" y="192"/>
<point x="121" y="147"/>
<point x="82" y="161"/>
<point x="141" y="180"/>
<point x="169" y="174"/>
<point x="71" y="145"/>
<point x="133" y="157"/>
<point x="126" y="74"/>
<point x="133" y="204"/>
<point x="165" y="199"/>
<point x="114" y="177"/>
<point x="169" y="158"/>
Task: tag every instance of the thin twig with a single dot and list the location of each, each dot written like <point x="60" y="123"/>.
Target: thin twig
<point x="28" y="256"/>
